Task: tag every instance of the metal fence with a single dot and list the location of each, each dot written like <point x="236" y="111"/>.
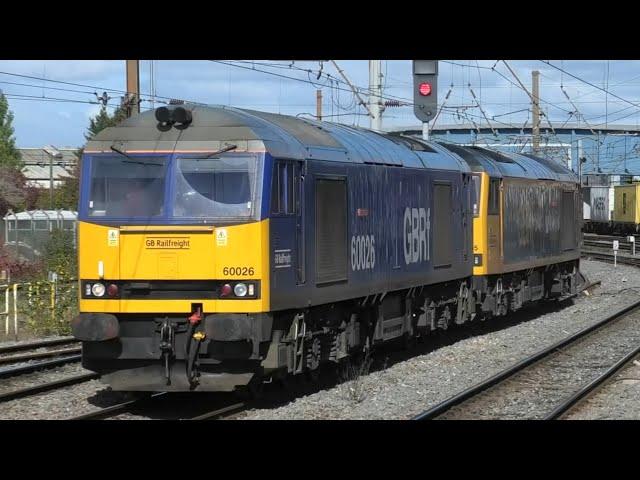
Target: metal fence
<point x="45" y="306"/>
<point x="27" y="233"/>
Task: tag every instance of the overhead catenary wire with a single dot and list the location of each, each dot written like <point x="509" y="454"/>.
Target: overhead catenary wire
<point x="107" y="89"/>
<point x="495" y="134"/>
<point x="590" y="84"/>
<point x="361" y="90"/>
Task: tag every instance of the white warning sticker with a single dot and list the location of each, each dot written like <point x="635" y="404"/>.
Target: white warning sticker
<point x="221" y="237"/>
<point x="112" y="238"/>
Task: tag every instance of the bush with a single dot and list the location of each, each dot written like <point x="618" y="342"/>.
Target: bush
<point x="18" y="269"/>
<point x="59" y="257"/>
<point x="44" y="320"/>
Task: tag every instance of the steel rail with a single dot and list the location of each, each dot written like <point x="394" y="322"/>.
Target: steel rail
<point x="37" y="355"/>
<point x="34" y="367"/>
<point x="221" y="411"/>
<point x="608" y="257"/>
<point x="585" y="391"/>
<point x="39" y="344"/>
<point x="45" y="387"/>
<point x="117" y="408"/>
<point x="474" y="390"/>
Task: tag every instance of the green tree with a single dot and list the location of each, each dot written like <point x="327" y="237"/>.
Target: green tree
<point x="66" y="195"/>
<point x="9" y="154"/>
<point x="104" y="120"/>
<point x="13" y="191"/>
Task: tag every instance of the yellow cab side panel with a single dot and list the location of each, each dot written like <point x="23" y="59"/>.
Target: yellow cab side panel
<point x="487" y="233"/>
<point x="146" y="253"/>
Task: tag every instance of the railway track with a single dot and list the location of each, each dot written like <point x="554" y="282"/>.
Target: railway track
<point x="31" y="362"/>
<point x="143" y="405"/>
<point x="46" y="387"/>
<point x="20" y="347"/>
<point x="595" y="236"/>
<point x="118" y="408"/>
<point x="608" y="246"/>
<point x="545" y="371"/>
<point x="38" y="355"/>
<point x="570" y="403"/>
<point x="608" y="257"/>
<point x="37" y="366"/>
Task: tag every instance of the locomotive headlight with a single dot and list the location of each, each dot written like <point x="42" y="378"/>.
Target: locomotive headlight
<point x="98" y="289"/>
<point x="240" y="290"/>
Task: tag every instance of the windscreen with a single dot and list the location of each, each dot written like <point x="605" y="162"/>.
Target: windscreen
<point x="124" y="187"/>
<point x="221" y="187"/>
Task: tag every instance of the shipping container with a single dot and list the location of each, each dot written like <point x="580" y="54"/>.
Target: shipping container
<point x="596" y="204"/>
<point x="626" y="208"/>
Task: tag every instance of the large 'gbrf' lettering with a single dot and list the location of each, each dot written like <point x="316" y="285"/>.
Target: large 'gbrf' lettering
<point x="416" y="235"/>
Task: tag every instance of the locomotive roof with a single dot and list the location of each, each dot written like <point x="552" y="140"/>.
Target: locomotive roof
<point x="508" y="164"/>
<point x="285" y="136"/>
<point x="282" y="136"/>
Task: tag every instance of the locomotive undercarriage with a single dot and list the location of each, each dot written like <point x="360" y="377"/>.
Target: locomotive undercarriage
<point x="500" y="294"/>
<point x="222" y="352"/>
<point x="303" y="340"/>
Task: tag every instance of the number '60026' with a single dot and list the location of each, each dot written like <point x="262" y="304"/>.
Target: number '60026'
<point x="363" y="252"/>
<point x="238" y="271"/>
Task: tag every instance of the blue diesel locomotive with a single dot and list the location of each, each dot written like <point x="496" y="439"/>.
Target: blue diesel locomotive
<point x="261" y="245"/>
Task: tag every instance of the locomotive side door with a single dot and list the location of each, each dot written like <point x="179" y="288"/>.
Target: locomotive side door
<point x="301" y="251"/>
<point x="466" y="201"/>
<point x="287" y="233"/>
<point x="494" y="225"/>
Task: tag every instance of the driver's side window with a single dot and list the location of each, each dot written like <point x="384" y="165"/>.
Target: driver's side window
<point x="285" y="187"/>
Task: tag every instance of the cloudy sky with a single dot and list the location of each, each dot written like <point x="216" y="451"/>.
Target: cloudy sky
<point x="53" y="100"/>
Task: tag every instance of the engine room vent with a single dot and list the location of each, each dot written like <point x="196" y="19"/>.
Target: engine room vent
<point x="331" y="230"/>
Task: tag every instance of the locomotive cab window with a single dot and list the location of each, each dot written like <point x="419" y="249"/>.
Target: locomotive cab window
<point x="123" y="187"/>
<point x="494" y="197"/>
<point x="215" y="187"/>
<point x="477" y="181"/>
<point x="285" y="188"/>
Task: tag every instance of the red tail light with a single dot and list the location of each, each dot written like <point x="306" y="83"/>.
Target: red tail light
<point x="226" y="290"/>
<point x="112" y="290"/>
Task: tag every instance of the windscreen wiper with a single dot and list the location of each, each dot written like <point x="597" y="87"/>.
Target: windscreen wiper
<point x="131" y="159"/>
<point x="228" y="148"/>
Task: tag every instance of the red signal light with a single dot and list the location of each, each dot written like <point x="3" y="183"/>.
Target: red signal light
<point x="226" y="290"/>
<point x="112" y="290"/>
<point x="425" y="89"/>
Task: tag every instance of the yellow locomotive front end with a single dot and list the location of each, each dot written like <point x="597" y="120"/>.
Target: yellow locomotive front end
<point x="173" y="268"/>
<point x="142" y="269"/>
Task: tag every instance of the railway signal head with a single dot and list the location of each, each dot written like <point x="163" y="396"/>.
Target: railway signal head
<point x="425" y="89"/>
